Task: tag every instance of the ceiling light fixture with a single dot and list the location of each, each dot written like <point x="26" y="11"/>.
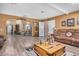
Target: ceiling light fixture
<point x="42" y="11"/>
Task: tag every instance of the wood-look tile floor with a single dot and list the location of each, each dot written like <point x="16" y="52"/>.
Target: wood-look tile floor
<point x="16" y="45"/>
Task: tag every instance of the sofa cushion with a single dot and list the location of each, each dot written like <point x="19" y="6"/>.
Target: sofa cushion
<point x="76" y="35"/>
<point x="69" y="34"/>
<point x="75" y="39"/>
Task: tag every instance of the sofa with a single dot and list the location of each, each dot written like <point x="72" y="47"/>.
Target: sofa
<point x="67" y="36"/>
<point x="2" y="40"/>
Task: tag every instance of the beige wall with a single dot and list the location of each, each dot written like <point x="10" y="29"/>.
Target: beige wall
<point x="59" y="19"/>
<point x="3" y="20"/>
<point x="5" y="17"/>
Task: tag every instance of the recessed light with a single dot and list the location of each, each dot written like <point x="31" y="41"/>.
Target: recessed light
<point x="42" y="11"/>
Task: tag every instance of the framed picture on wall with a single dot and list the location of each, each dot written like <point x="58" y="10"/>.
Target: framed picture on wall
<point x="77" y="21"/>
<point x="71" y="22"/>
<point x="63" y="23"/>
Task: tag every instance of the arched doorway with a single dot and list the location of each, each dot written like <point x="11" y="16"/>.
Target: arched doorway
<point x="28" y="29"/>
<point x="9" y="27"/>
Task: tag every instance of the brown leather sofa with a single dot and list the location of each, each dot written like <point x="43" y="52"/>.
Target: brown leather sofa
<point x="2" y="40"/>
<point x="60" y="36"/>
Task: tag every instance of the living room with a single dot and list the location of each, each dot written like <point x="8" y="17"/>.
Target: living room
<point x="39" y="29"/>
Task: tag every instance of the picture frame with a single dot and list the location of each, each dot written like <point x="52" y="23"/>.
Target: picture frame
<point x="77" y="21"/>
<point x="63" y="23"/>
<point x="71" y="22"/>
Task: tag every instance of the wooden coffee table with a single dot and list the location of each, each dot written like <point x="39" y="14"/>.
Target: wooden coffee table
<point x="55" y="49"/>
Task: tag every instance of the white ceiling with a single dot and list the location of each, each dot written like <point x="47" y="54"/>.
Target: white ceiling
<point x="33" y="10"/>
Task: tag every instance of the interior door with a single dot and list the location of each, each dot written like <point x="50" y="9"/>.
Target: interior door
<point x="17" y="29"/>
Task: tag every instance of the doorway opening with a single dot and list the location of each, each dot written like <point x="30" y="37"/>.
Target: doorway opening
<point x="17" y="30"/>
<point x="28" y="29"/>
<point x="9" y="28"/>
